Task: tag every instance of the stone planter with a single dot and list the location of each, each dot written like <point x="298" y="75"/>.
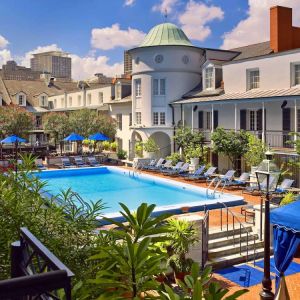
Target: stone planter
<point x="195" y="161"/>
<point x="149" y="155"/>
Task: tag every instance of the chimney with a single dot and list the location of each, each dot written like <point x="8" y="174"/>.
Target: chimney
<point x="283" y="36"/>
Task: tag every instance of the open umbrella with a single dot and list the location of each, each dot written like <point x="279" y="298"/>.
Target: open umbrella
<point x="14" y="139"/>
<point x="99" y="137"/>
<point x="74" y="137"/>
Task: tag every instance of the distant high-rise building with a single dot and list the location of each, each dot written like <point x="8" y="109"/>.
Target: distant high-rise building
<point x="57" y="63"/>
<point x="11" y="71"/>
<point x="127" y="63"/>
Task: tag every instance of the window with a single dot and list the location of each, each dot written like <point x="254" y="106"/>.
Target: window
<point x="100" y="97"/>
<point x="159" y="87"/>
<point x="208" y="120"/>
<point x="89" y="99"/>
<point x="162" y="118"/>
<point x="138" y="116"/>
<point x="130" y="119"/>
<point x="119" y="121"/>
<point x="209" y="78"/>
<point x="21" y="100"/>
<point x="118" y="91"/>
<point x="70" y="101"/>
<point x="297" y="74"/>
<point x="38" y="121"/>
<point x="79" y="100"/>
<point x="43" y="101"/>
<point x="253" y="79"/>
<point x="155" y="118"/>
<point x="252" y="118"/>
<point x="138" y="87"/>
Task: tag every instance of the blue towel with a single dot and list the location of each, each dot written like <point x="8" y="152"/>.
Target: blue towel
<point x="243" y="275"/>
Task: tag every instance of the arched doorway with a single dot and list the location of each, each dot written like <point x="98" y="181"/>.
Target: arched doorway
<point x="163" y="141"/>
<point x="135" y="138"/>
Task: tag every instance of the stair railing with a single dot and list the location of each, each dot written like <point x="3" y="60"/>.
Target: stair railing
<point x="241" y="226"/>
<point x="214" y="181"/>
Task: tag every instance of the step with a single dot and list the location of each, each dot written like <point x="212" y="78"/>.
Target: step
<point x="216" y="233"/>
<point x="225" y="241"/>
<point x="230" y="260"/>
<point x="234" y="248"/>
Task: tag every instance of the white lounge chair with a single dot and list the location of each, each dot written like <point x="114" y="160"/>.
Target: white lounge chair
<point x="65" y="163"/>
<point x="79" y="162"/>
<point x="93" y="162"/>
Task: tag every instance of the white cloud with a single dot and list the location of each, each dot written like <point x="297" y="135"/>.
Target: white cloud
<point x="196" y="17"/>
<point x="112" y="37"/>
<point x="255" y="28"/>
<point x="165" y="6"/>
<point x="3" y="42"/>
<point x="129" y="2"/>
<point x="5" y="55"/>
<point x="25" y="60"/>
<point x="86" y="67"/>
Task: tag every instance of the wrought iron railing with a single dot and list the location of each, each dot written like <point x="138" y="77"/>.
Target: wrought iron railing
<point x="36" y="273"/>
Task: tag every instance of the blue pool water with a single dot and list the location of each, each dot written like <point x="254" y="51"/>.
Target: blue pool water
<point x="114" y="185"/>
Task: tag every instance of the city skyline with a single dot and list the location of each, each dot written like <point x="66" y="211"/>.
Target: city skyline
<point x="96" y="33"/>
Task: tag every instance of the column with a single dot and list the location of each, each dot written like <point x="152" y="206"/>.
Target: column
<point x="212" y="118"/>
<point x="192" y="118"/>
<point x="183" y="116"/>
<point x="235" y="117"/>
<point x="263" y="123"/>
<point x="295" y="120"/>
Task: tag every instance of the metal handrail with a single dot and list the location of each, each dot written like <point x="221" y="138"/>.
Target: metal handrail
<point x="208" y="188"/>
<point x="241" y="225"/>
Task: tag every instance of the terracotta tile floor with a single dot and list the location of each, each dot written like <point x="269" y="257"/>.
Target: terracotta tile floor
<point x="293" y="281"/>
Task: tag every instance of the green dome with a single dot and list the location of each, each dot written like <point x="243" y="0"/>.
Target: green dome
<point x="166" y="34"/>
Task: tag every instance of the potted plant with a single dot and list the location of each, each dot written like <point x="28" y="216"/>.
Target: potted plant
<point x="193" y="155"/>
<point x="150" y="148"/>
<point x="106" y="145"/>
<point x="121" y="154"/>
<point x="138" y="149"/>
<point x="113" y="146"/>
<point x="182" y="235"/>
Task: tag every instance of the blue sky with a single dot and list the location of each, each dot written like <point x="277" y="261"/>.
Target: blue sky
<point x="26" y="25"/>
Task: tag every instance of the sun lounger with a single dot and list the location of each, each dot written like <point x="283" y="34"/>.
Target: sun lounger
<point x="177" y="167"/>
<point x="240" y="182"/>
<point x="39" y="164"/>
<point x="166" y="165"/>
<point x="152" y="163"/>
<point x="208" y="174"/>
<point x="65" y="163"/>
<point x="79" y="162"/>
<point x="227" y="177"/>
<point x="195" y="175"/>
<point x="93" y="162"/>
<point x="284" y="186"/>
<point x="156" y="166"/>
<point x="255" y="188"/>
<point x="182" y="170"/>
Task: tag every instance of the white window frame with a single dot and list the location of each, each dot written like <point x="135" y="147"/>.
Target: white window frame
<point x="155" y="116"/>
<point x="207" y="79"/>
<point x="138" y="87"/>
<point x="255" y="84"/>
<point x="138" y="118"/>
<point x="43" y="101"/>
<point x="23" y="97"/>
<point x="293" y="74"/>
<point x="162" y="116"/>
<point x="157" y="87"/>
<point x="208" y="120"/>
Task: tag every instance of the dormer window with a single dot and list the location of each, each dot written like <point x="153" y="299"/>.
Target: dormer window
<point x="21" y="100"/>
<point x="43" y="101"/>
<point x="253" y="79"/>
<point x="209" y="78"/>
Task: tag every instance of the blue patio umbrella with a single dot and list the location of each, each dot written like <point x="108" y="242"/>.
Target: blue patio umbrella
<point x="13" y="139"/>
<point x="99" y="137"/>
<point x="74" y="137"/>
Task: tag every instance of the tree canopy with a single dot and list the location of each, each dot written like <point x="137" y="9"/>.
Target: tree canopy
<point x="15" y="120"/>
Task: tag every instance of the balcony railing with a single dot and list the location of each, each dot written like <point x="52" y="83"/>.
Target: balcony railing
<point x="36" y="273"/>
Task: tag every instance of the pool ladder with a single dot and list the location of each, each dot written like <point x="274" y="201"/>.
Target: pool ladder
<point x="217" y="181"/>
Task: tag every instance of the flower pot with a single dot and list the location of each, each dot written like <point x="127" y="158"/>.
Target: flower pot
<point x="195" y="161"/>
<point x="150" y="155"/>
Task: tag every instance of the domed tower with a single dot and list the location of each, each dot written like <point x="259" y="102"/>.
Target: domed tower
<point x="164" y="67"/>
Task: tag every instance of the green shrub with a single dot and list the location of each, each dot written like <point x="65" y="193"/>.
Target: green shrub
<point x="121" y="154"/>
<point x="175" y="157"/>
<point x="150" y="146"/>
<point x="139" y="149"/>
<point x="113" y="146"/>
<point x="106" y="145"/>
<point x="256" y="151"/>
<point x="288" y="198"/>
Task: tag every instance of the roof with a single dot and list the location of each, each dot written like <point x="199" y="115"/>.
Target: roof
<point x="166" y="34"/>
<point x="199" y="92"/>
<point x="252" y="94"/>
<point x="287" y="216"/>
<point x="253" y="50"/>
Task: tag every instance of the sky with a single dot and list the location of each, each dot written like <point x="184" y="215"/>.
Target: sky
<point x="96" y="32"/>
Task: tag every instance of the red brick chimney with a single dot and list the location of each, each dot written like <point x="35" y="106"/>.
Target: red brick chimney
<point x="283" y="36"/>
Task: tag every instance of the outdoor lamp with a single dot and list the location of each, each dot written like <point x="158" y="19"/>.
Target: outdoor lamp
<point x="267" y="175"/>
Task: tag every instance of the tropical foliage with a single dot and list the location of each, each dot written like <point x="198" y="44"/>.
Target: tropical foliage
<point x="150" y="145"/>
<point x="15" y="120"/>
<point x="256" y="151"/>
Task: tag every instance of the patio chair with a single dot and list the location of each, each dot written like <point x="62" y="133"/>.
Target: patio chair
<point x="166" y="165"/>
<point x="79" y="162"/>
<point x="284" y="186"/>
<point x="158" y="164"/>
<point x="39" y="164"/>
<point x="93" y="162"/>
<point x="65" y="163"/>
<point x="255" y="188"/>
<point x="152" y="163"/>
<point x="176" y="167"/>
<point x="208" y="174"/>
<point x="227" y="177"/>
<point x="177" y="172"/>
<point x="195" y="175"/>
<point x="240" y="182"/>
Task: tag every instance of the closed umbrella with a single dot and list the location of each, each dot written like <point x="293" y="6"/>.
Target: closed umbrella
<point x="74" y="137"/>
<point x="14" y="139"/>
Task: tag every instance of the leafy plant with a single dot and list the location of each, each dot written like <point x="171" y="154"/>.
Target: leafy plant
<point x="150" y="146"/>
<point x="256" y="151"/>
<point x="128" y="265"/>
<point x="230" y="143"/>
<point x="198" y="286"/>
<point x="121" y="154"/>
<point x="288" y="198"/>
<point x="139" y="149"/>
<point x="113" y="146"/>
<point x="174" y="157"/>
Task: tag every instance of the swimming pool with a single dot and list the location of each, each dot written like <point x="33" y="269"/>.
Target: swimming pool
<point x="114" y="185"/>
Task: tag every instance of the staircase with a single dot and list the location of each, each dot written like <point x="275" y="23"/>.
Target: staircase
<point x="227" y="248"/>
